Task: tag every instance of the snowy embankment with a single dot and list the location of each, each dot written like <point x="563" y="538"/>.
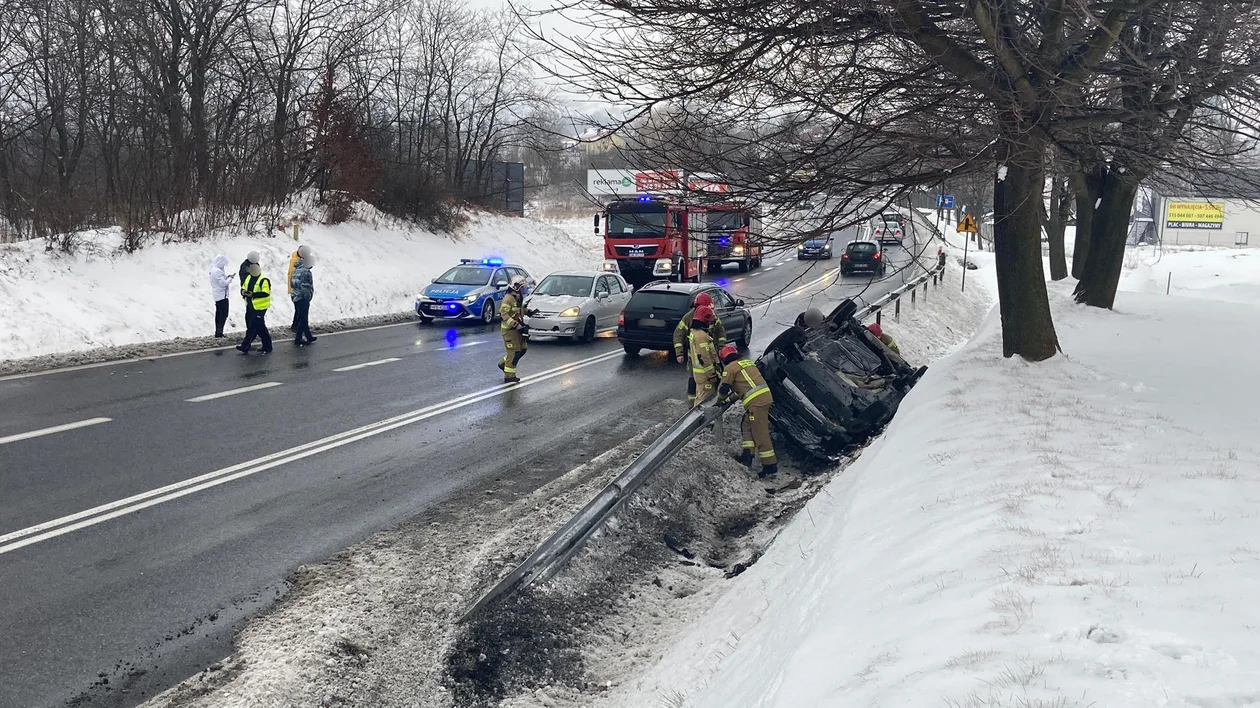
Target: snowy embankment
<point x="101" y="296"/>
<point x="1079" y="532"/>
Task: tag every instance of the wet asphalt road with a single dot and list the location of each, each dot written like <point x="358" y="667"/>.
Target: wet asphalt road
<point x="312" y="461"/>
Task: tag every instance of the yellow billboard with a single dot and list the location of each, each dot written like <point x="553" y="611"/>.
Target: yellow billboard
<point x="1195" y="215"/>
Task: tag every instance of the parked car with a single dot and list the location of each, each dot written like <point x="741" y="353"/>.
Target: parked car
<point x="815" y="248"/>
<point x="471" y="290"/>
<point x="655" y="309"/>
<point x="888" y="228"/>
<point x="863" y="256"/>
<point x="577" y="304"/>
<point x="835" y="385"/>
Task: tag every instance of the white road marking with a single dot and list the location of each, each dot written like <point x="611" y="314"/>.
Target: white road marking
<point x="172" y="355"/>
<point x="233" y="392"/>
<point x="55" y="429"/>
<point x="356" y="367"/>
<point x="100" y="514"/>
<point x="754" y="275"/>
<point x="769" y="268"/>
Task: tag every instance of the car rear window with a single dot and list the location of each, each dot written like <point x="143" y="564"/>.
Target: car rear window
<point x="862" y="248"/>
<point x="660" y="300"/>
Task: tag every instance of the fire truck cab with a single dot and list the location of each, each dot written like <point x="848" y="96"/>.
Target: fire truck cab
<point x="650" y="238"/>
<point x="734" y="235"/>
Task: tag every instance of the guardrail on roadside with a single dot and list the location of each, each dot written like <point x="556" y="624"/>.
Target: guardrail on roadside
<point x="553" y="553"/>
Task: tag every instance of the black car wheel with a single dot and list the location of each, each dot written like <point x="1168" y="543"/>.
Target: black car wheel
<point x="745" y="337"/>
<point x="487" y="311"/>
<point x="632" y="351"/>
<point x="588" y="332"/>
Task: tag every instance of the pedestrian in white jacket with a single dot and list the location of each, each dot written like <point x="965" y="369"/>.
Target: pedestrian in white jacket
<point x="220" y="279"/>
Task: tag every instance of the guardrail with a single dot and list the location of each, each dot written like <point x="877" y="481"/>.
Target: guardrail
<point x="551" y="556"/>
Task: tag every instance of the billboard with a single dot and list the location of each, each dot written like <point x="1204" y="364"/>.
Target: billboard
<point x="630" y="183"/>
<point x="1195" y="215"/>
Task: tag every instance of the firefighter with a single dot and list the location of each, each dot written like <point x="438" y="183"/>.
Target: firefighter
<point x="704" y="360"/>
<point x="743" y="380"/>
<point x="884" y="338"/>
<point x="717" y="332"/>
<point x="513" y="313"/>
<point x="812" y="318"/>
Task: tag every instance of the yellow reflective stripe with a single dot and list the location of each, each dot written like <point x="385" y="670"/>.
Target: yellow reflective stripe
<point x="756" y="392"/>
<point x="766" y="453"/>
<point x="748" y="444"/>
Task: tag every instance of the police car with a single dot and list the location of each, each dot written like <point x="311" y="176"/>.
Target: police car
<point x="471" y="290"/>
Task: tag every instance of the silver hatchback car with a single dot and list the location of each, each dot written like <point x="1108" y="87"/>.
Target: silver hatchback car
<point x="577" y="304"/>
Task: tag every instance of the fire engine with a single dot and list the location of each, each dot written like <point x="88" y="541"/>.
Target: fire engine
<point x="734" y="231"/>
<point x="654" y="238"/>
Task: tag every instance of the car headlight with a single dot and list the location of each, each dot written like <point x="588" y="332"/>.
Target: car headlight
<point x="571" y="312"/>
<point x="827" y="247"/>
<point x="470" y="299"/>
<point x="738" y="250"/>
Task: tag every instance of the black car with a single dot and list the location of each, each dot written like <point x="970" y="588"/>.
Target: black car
<point x="655" y="309"/>
<point x="835" y="385"/>
<point x="814" y="248"/>
<point x="863" y="257"/>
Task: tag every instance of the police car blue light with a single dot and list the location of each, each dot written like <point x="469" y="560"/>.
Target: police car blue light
<point x="471" y="290"/>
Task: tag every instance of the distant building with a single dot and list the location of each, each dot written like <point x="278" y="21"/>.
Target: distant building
<point x="1222" y="209"/>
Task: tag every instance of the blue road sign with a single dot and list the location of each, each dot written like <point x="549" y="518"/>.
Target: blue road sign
<point x="944" y="201"/>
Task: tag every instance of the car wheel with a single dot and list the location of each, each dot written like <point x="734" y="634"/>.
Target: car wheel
<point x="425" y="320"/>
<point x="588" y="332"/>
<point x="631" y="350"/>
<point x="744" y="266"/>
<point x="487" y="311"/>
<point x="745" y="337"/>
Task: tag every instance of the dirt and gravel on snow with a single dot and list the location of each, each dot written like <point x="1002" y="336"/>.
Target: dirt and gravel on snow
<point x="377" y="624"/>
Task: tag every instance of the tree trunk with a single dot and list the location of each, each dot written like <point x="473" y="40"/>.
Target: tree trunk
<point x="1055" y="228"/>
<point x="1027" y="327"/>
<point x="1108" y="235"/>
<point x="1087" y="190"/>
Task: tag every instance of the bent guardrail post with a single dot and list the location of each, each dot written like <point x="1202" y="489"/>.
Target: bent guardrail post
<point x="551" y="556"/>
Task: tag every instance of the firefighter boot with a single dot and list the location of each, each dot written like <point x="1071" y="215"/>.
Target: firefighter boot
<point x="501" y="365"/>
<point x="746" y="458"/>
<point x="768" y="470"/>
<point x="510" y="379"/>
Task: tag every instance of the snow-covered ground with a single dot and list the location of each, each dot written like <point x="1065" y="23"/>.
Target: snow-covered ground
<point x="101" y="296"/>
<point x="1079" y="532"/>
<point x="1232" y="275"/>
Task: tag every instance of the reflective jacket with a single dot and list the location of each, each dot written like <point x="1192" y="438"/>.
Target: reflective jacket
<point x="890" y="343"/>
<point x="716" y="330"/>
<point x="257" y="291"/>
<point x="511" y="311"/>
<point x="742" y="378"/>
<point x="704" y="360"/>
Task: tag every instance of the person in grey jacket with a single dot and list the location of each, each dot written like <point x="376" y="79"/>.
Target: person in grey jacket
<point x="303" y="290"/>
<point x="219" y="282"/>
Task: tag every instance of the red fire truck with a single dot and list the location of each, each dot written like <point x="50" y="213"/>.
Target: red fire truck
<point x="734" y="234"/>
<point x="650" y="238"/>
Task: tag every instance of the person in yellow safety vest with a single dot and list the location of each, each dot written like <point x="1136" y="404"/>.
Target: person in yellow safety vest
<point x="256" y="289"/>
<point x="884" y="338"/>
<point x="717" y="332"/>
<point x="513" y="313"/>
<point x="743" y="380"/>
<point x="300" y="254"/>
<point x="704" y="360"/>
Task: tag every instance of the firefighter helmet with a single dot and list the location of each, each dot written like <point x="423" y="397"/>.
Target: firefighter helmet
<point x="518" y="283"/>
<point x="705" y="315"/>
<point x="728" y="353"/>
<point x="875" y="329"/>
<point x="703" y="300"/>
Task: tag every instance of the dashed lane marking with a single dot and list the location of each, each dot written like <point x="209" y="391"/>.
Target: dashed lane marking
<point x="356" y="367"/>
<point x="53" y="430"/>
<point x="233" y="392"/>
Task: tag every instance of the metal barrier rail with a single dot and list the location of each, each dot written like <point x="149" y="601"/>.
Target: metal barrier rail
<point x="551" y="556"/>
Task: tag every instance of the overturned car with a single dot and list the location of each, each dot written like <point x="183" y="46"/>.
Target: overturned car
<point x="835" y="385"/>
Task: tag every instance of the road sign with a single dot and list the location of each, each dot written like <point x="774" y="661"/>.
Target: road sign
<point x="968" y="225"/>
<point x="944" y="201"/>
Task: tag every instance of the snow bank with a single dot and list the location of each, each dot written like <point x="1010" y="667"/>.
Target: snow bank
<point x="1230" y="275"/>
<point x="1082" y="531"/>
<point x="102" y="296"/>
